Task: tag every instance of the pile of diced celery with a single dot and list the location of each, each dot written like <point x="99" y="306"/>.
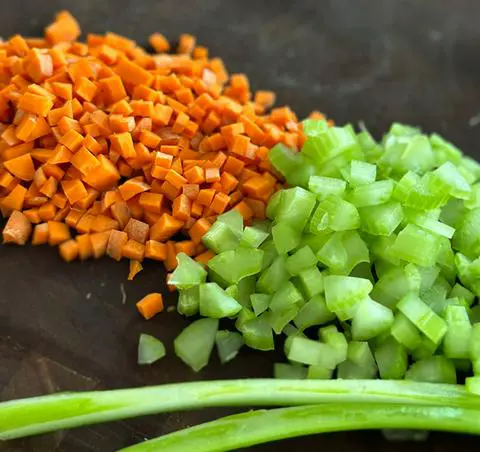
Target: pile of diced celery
<point x="369" y="266"/>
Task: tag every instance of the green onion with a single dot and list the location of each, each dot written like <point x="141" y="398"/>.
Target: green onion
<point x="150" y="349"/>
<point x="195" y="343"/>
<point x="75" y="409"/>
<point x="257" y="427"/>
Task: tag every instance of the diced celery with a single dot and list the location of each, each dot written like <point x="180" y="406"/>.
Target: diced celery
<point x="234" y="220"/>
<point x="258" y="334"/>
<point x="286" y="296"/>
<point x="314" y="241"/>
<point x="213" y="276"/>
<point x="456" y="343"/>
<point x="246" y="287"/>
<point x="273" y="277"/>
<point x="260" y="302"/>
<point x="360" y="363"/>
<point x="195" y="343"/>
<point x="300" y="175"/>
<point x="416" y="245"/>
<point x="382" y="219"/>
<point x="310" y="281"/>
<point x="436" y="369"/>
<point x="392" y="359"/>
<point x="361" y="173"/>
<point x="273" y="205"/>
<point x="296" y="205"/>
<point x="334" y="214"/>
<point x="188" y="301"/>
<point x="319" y="373"/>
<point x="279" y="319"/>
<point x="232" y="266"/>
<point x="372" y="194"/>
<point x="307" y="351"/>
<point x="220" y="237"/>
<point x="244" y="316"/>
<point x="405" y="332"/>
<point x="253" y="237"/>
<point x="285" y="237"/>
<point x="448" y="175"/>
<point x="292" y="371"/>
<point x="474" y="345"/>
<point x="300" y="260"/>
<point x="314" y="312"/>
<point x="417" y="156"/>
<point x="420" y="314"/>
<point x="314" y="127"/>
<point x="370" y="320"/>
<point x="336" y="340"/>
<point x="326" y="186"/>
<point x="283" y="159"/>
<point x="150" y="349"/>
<point x="395" y="284"/>
<point x="188" y="273"/>
<point x="425" y="350"/>
<point x="444" y="150"/>
<point x="467" y="237"/>
<point x="452" y="212"/>
<point x="333" y="253"/>
<point x="462" y="292"/>
<point x="381" y="247"/>
<point x="472" y="385"/>
<point x="214" y="303"/>
<point x="269" y="253"/>
<point x="232" y="291"/>
<point x="432" y="225"/>
<point x="228" y="344"/>
<point x="343" y="293"/>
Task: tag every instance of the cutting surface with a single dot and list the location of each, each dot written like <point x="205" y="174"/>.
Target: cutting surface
<point x="65" y="327"/>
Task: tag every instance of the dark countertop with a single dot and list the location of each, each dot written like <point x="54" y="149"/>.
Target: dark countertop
<point x="65" y="327"/>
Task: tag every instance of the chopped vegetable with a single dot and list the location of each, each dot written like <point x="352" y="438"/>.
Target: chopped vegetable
<point x="150" y="349"/>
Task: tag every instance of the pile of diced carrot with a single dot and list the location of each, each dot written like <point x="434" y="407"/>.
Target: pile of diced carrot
<point x="135" y="153"/>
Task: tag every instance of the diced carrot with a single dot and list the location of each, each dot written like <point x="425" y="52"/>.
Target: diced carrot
<point x="205" y="196"/>
<point x="166" y="227"/>
<point x="159" y="43"/>
<point x="151" y="202"/>
<point x="121" y="213"/>
<point x="73" y="217"/>
<point x="135" y="267"/>
<point x="21" y="167"/>
<point x="155" y="250"/>
<point x="84" y="245"/>
<point x="243" y="208"/>
<point x="185" y="246"/>
<point x="132" y="188"/>
<point x="98" y="242"/>
<point x="74" y="190"/>
<point x="18" y="229"/>
<point x="102" y="223"/>
<point x="150" y="305"/>
<point x="199" y="229"/>
<point x="84" y="225"/>
<point x="171" y="260"/>
<point x="204" y="257"/>
<point x="32" y="215"/>
<point x="116" y="242"/>
<point x="181" y="207"/>
<point x="57" y="233"/>
<point x="70" y="249"/>
<point x="40" y="234"/>
<point x="137" y="230"/>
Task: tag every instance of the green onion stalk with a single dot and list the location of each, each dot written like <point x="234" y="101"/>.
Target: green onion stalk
<point x="31" y="416"/>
